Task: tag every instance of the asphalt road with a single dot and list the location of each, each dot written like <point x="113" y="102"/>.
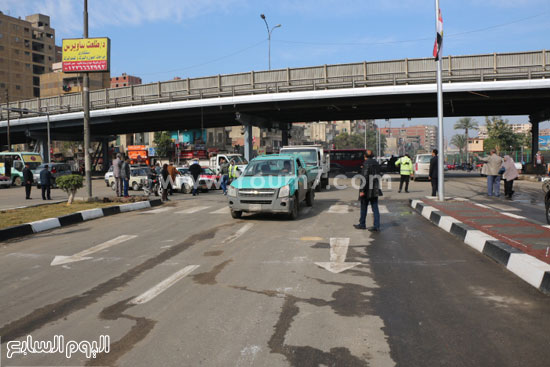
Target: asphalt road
<point x="195" y="287"/>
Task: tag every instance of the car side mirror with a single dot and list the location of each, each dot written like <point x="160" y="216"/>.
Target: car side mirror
<point x="18" y="166"/>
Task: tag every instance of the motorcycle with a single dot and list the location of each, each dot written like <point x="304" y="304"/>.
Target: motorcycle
<point x="152" y="186"/>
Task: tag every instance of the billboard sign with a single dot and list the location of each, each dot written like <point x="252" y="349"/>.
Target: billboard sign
<point x="86" y="54"/>
<point x="544" y="142"/>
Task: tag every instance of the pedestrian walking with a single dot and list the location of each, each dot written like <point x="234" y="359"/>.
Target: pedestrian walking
<point x="117" y="165"/>
<point x="164" y="174"/>
<point x="28" y="179"/>
<point x="173" y="172"/>
<point x="45" y="183"/>
<point x="369" y="192"/>
<point x="233" y="171"/>
<point x="195" y="169"/>
<point x="406" y="170"/>
<point x="125" y="173"/>
<point x="510" y="174"/>
<point x="434" y="172"/>
<point x="492" y="170"/>
<point x="224" y="171"/>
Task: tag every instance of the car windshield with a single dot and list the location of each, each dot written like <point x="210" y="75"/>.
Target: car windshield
<point x="423" y="158"/>
<point x="270" y="167"/>
<point x="238" y="159"/>
<point x="308" y="155"/>
<point x="183" y="171"/>
<point x="207" y="171"/>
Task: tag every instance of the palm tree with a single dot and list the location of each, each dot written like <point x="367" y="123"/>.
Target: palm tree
<point x="459" y="141"/>
<point x="466" y="123"/>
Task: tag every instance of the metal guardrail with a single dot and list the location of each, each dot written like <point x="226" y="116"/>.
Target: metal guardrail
<point x="456" y="69"/>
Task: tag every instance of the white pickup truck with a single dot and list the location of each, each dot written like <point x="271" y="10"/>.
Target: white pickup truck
<point x="239" y="161"/>
<point x="313" y="155"/>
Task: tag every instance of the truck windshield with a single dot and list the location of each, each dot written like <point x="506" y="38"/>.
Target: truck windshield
<point x="308" y="155"/>
<point x="238" y="159"/>
<point x="271" y="167"/>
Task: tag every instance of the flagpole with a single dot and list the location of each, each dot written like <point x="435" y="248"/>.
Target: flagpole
<point x="441" y="153"/>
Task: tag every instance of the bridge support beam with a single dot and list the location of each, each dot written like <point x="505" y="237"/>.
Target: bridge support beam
<point x="534" y="136"/>
<point x="105" y="153"/>
<point x="248" y="144"/>
<point x="285" y="132"/>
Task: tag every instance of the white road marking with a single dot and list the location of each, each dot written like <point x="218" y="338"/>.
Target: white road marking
<point x="382" y="209"/>
<point x="224" y="210"/>
<point x="338" y="209"/>
<point x="156" y="211"/>
<point x="338" y="252"/>
<point x="164" y="285"/>
<point x="237" y="234"/>
<point x="513" y="215"/>
<point x="193" y="210"/>
<point x="505" y="208"/>
<point x="83" y="255"/>
<point x="483" y="206"/>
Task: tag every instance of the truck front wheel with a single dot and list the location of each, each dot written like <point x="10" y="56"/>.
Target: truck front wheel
<point x="236" y="214"/>
<point x="295" y="208"/>
<point x="310" y="196"/>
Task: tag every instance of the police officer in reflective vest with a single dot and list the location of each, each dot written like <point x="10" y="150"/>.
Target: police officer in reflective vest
<point x="406" y="170"/>
<point x="233" y="171"/>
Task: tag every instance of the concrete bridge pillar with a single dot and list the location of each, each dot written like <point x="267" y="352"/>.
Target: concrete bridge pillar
<point x="534" y="120"/>
<point x="105" y="153"/>
<point x="248" y="144"/>
<point x="284" y="135"/>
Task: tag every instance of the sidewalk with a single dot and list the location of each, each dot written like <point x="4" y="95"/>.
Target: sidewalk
<point x="519" y="243"/>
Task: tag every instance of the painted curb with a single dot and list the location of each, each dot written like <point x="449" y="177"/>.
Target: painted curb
<point x="74" y="218"/>
<point x="526" y="267"/>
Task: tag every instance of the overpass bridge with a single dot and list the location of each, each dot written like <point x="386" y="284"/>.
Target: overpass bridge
<point x="473" y="85"/>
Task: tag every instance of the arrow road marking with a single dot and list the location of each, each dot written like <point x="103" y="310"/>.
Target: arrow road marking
<point x="224" y="210"/>
<point x="164" y="285"/>
<point x="338" y="251"/>
<point x="83" y="255"/>
<point x="237" y="234"/>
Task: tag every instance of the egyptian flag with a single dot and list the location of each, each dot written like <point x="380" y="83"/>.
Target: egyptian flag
<point x="439" y="38"/>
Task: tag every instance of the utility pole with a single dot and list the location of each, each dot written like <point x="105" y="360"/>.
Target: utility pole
<point x="86" y="108"/>
<point x="269" y="31"/>
<point x="8" y="109"/>
<point x="441" y="157"/>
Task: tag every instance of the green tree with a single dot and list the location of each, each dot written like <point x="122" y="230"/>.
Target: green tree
<point x="164" y="143"/>
<point x="70" y="184"/>
<point x="501" y="136"/>
<point x="357" y="141"/>
<point x="459" y="141"/>
<point x="466" y="124"/>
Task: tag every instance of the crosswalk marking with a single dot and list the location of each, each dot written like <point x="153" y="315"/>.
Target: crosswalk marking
<point x="193" y="210"/>
<point x="338" y="209"/>
<point x="382" y="209"/>
<point x="505" y="208"/>
<point x="224" y="210"/>
<point x="156" y="211"/>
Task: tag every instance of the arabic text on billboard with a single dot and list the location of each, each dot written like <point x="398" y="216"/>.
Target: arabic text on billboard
<point x="86" y="54"/>
<point x="544" y="142"/>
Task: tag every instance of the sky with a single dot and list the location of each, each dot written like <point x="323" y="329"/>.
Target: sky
<point x="159" y="40"/>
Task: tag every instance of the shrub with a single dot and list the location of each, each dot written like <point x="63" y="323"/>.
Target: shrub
<point x="70" y="184"/>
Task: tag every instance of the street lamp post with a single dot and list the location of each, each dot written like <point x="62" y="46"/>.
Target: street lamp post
<point x="269" y="31"/>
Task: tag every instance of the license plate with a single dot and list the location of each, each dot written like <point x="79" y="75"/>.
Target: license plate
<point x="255" y="207"/>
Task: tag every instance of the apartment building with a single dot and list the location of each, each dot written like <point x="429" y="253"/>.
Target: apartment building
<point x="58" y="83"/>
<point x="124" y="80"/>
<point x="27" y="50"/>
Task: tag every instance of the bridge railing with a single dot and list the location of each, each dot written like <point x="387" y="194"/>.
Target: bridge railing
<point x="456" y="69"/>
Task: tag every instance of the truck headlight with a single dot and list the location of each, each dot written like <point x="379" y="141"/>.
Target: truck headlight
<point x="231" y="191"/>
<point x="284" y="191"/>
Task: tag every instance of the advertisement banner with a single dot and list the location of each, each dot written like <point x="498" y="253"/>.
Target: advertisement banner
<point x="544" y="142"/>
<point x="86" y="55"/>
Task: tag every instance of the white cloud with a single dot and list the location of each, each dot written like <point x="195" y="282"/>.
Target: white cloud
<point x="66" y="15"/>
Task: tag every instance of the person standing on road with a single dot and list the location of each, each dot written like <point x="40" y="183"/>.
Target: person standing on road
<point x="173" y="173"/>
<point x="224" y="171"/>
<point x="125" y="175"/>
<point x="494" y="164"/>
<point x="195" y="169"/>
<point x="117" y="165"/>
<point x="28" y="179"/>
<point x="510" y="174"/>
<point x="369" y="192"/>
<point x="434" y="172"/>
<point x="406" y="170"/>
<point x="233" y="171"/>
<point x="164" y="174"/>
<point x="539" y="163"/>
<point x="45" y="182"/>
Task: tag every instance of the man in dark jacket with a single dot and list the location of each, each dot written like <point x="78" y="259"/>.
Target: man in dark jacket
<point x="164" y="181"/>
<point x="432" y="176"/>
<point x="369" y="192"/>
<point x="27" y="179"/>
<point x="195" y="169"/>
<point x="45" y="182"/>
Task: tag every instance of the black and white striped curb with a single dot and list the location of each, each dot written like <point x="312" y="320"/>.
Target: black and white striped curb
<point x="527" y="267"/>
<point x="78" y="217"/>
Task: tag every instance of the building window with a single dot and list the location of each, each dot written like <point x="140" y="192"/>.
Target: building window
<point x="18" y="87"/>
<point x="2" y="85"/>
<point x="116" y="85"/>
<point x="27" y="30"/>
<point x="117" y="79"/>
<point x="1" y="35"/>
<point x="124" y="84"/>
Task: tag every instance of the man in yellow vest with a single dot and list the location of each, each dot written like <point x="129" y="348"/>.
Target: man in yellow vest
<point x="233" y="171"/>
<point x="406" y="170"/>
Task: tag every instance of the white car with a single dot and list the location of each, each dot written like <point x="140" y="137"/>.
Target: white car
<point x="108" y="175"/>
<point x="422" y="166"/>
<point x="5" y="181"/>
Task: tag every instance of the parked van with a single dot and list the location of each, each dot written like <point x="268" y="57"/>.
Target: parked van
<point x="422" y="166"/>
<point x="17" y="162"/>
<point x="314" y="156"/>
<point x="239" y="161"/>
